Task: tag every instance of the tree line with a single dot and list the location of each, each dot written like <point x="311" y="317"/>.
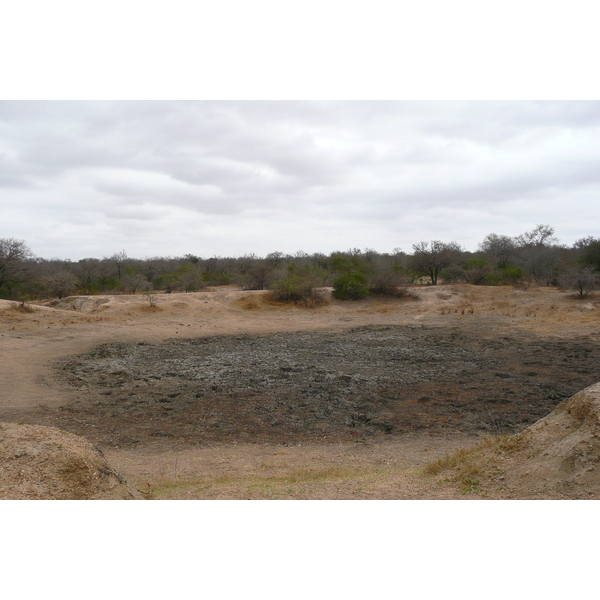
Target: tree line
<point x="533" y="257"/>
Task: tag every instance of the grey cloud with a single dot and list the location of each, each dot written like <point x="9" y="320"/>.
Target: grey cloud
<point x="338" y="165"/>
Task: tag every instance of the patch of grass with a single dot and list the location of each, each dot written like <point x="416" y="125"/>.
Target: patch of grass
<point x="151" y="308"/>
<point x="449" y="461"/>
<point x="272" y="486"/>
<point x="465" y="308"/>
<point x="250" y="302"/>
<point x="470" y="466"/>
<point x="470" y="486"/>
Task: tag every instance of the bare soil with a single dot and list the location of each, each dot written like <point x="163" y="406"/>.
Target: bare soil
<point x="39" y="463"/>
<point x="222" y="394"/>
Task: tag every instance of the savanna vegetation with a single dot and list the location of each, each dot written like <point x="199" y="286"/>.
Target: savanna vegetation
<point x="533" y="257"/>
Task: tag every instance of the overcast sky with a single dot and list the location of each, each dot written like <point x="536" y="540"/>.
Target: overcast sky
<point x="83" y="178"/>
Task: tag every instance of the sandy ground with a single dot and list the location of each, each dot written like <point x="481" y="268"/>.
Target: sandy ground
<point x="32" y="342"/>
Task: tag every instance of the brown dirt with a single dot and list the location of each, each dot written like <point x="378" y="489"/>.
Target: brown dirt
<point x="492" y="360"/>
<point x="41" y="463"/>
<point x="558" y="456"/>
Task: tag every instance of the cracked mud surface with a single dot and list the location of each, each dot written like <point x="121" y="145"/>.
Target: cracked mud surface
<point x="370" y="382"/>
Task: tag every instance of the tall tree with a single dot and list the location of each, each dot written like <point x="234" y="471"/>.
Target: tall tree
<point x="589" y="252"/>
<point x="119" y="258"/>
<point x="538" y="254"/>
<point x="13" y="268"/>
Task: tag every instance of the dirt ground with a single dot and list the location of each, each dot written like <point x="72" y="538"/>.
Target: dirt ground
<point x="221" y="394"/>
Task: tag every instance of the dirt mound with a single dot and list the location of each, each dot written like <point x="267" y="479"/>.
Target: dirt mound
<point x="85" y="304"/>
<point x="558" y="456"/>
<point x="44" y="463"/>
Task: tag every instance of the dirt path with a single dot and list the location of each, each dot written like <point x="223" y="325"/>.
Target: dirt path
<point x="33" y="343"/>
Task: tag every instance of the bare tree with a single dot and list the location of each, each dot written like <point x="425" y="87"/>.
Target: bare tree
<point x="119" y="258"/>
<point x="151" y="267"/>
<point x="498" y="249"/>
<point x="258" y="277"/>
<point x="431" y="258"/>
<point x="60" y="283"/>
<point x="538" y="254"/>
<point x="275" y="258"/>
<point x="86" y="271"/>
<point x="541" y="235"/>
<point x="582" y="279"/>
<point x="189" y="279"/>
<point x="246" y="262"/>
<point x="134" y="281"/>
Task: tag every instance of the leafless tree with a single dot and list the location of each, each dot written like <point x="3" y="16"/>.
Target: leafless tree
<point x="258" y="277"/>
<point x="151" y="267"/>
<point x="275" y="258"/>
<point x="498" y="249"/>
<point x="61" y="283"/>
<point x="431" y="258"/>
<point x="119" y="258"/>
<point x="132" y="282"/>
<point x="86" y="271"/>
<point x="582" y="279"/>
<point x="537" y="253"/>
<point x="189" y="279"/>
<point x="246" y="262"/>
<point x="541" y="235"/>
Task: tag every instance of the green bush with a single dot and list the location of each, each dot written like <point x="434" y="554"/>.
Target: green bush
<point x="494" y="278"/>
<point x="350" y="286"/>
<point x="216" y="278"/>
<point x="513" y="274"/>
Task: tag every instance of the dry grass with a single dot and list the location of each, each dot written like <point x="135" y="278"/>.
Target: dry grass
<point x="150" y="308"/>
<point x="249" y="302"/>
<point x="290" y="483"/>
<point x="470" y="467"/>
<point x="21" y="307"/>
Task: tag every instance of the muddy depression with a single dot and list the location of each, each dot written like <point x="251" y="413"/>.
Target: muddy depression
<point x="348" y="385"/>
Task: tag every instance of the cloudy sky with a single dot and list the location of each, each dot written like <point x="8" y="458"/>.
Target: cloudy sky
<point x="85" y="178"/>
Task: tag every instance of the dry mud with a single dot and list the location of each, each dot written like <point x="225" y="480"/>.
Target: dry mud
<point x="365" y="382"/>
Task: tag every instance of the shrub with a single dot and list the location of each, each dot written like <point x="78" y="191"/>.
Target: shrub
<point x="494" y="278"/>
<point x="513" y="274"/>
<point x="454" y="274"/>
<point x="388" y="283"/>
<point x="583" y="280"/>
<point x="216" y="278"/>
<point x="293" y="288"/>
<point x="350" y="286"/>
